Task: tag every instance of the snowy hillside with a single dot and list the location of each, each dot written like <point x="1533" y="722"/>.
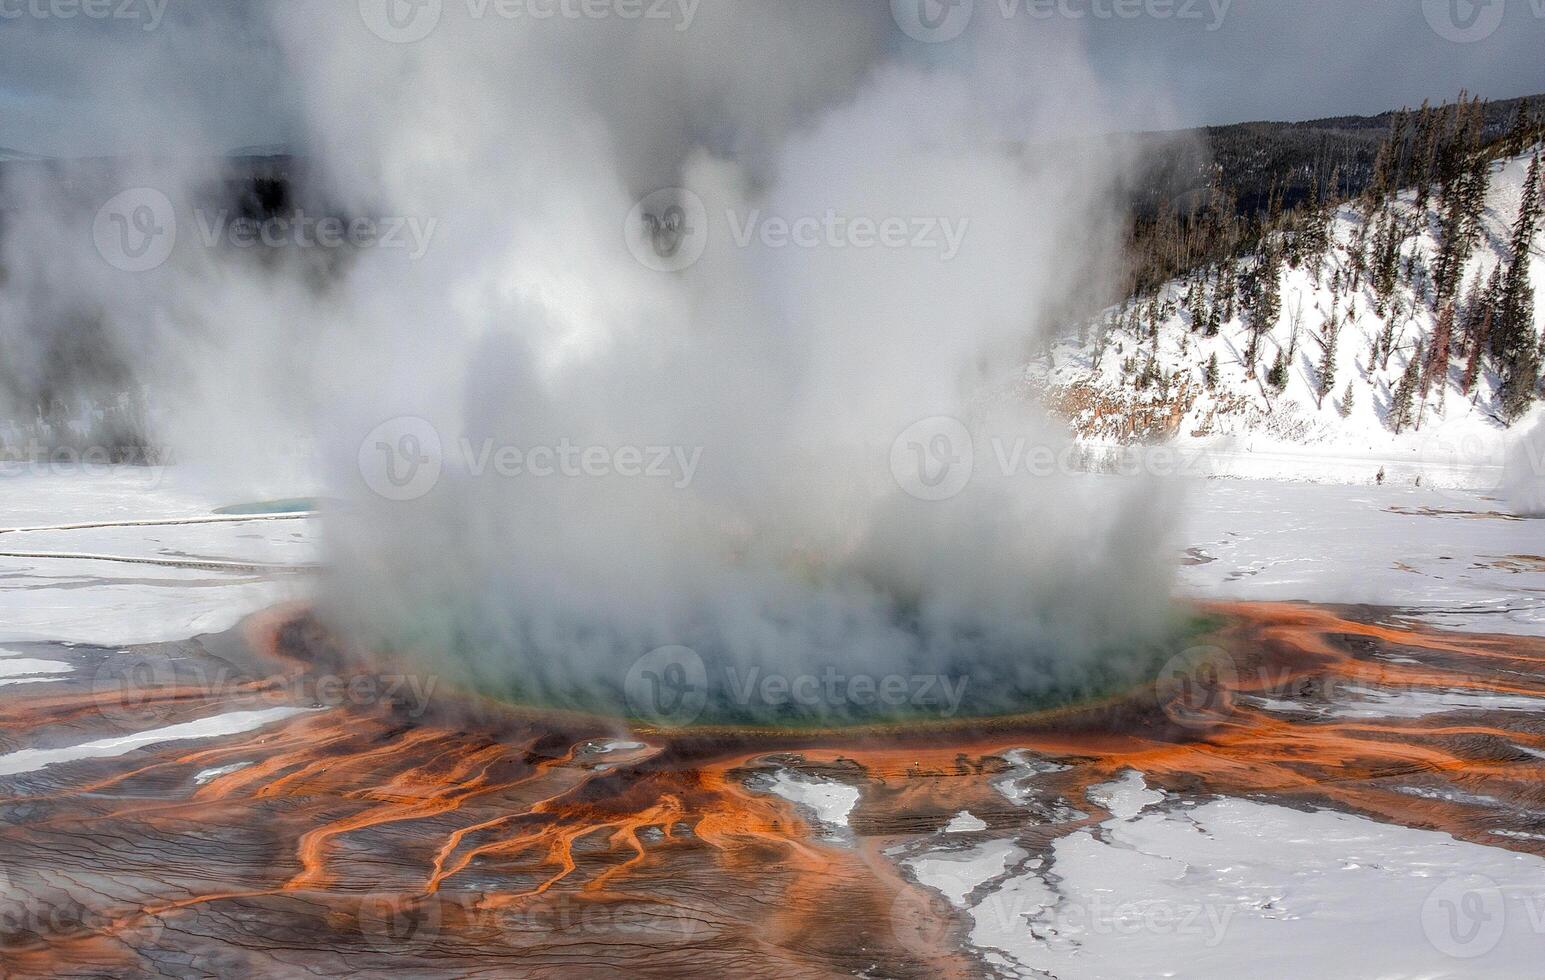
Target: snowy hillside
<point x="1119" y="380"/>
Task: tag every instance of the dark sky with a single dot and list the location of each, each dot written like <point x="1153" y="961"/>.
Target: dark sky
<point x="74" y="85"/>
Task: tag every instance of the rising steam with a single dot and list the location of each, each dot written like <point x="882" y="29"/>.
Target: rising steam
<point x="788" y="371"/>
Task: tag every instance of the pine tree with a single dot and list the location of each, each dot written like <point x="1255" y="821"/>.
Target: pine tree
<point x="1384" y="167"/>
<point x="1518" y="137"/>
<point x="1387" y="337"/>
<point x="1327" y="379"/>
<point x="1346" y="402"/>
<point x="1465" y="172"/>
<point x="1402" y="405"/>
<point x="1228" y="288"/>
<point x="1520" y="384"/>
<point x="1385" y="274"/>
<point x="1268" y="302"/>
<point x="1514" y="342"/>
<point x="1479" y="340"/>
<point x="1474" y="309"/>
<point x="1210" y="375"/>
<point x="1277" y="375"/>
<point x="1424" y="152"/>
<point x="1435" y="369"/>
<point x="1198" y="304"/>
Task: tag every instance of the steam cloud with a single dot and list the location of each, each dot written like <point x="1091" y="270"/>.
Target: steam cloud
<point x="528" y="322"/>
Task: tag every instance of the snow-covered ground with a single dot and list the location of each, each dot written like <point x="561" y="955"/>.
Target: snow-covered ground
<point x="829" y="800"/>
<point x="214" y="573"/>
<point x="1236" y="888"/>
<point x="1163" y="887"/>
<point x="1450" y="558"/>
<point x="1254" y="431"/>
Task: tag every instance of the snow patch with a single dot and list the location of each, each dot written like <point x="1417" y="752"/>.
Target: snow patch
<point x="964" y="823"/>
<point x="830" y="800"/>
<point x="215" y="726"/>
<point x="1126" y="797"/>
<point x="1235" y="888"/>
<point x="211" y="774"/>
<point x="956" y="874"/>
